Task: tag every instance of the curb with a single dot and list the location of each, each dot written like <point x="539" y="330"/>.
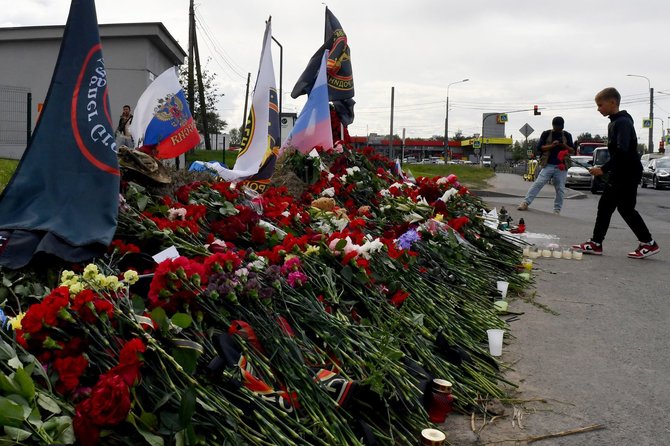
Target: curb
<point x="576" y="195"/>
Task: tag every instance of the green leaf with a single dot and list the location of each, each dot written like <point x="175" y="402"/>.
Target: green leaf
<point x="150" y="420"/>
<point x="48" y="403"/>
<point x="159" y="316"/>
<point x="347" y="274"/>
<point x="7" y="385"/>
<point x="26" y="383"/>
<point x="187" y="407"/>
<point x="11" y="413"/>
<point x="6" y="351"/>
<point x="417" y="318"/>
<point x="64" y="430"/>
<point x="35" y="418"/>
<point x="187" y="358"/>
<point x="182" y="320"/>
<point x="21" y="401"/>
<point x="17" y="434"/>
<point x="340" y="245"/>
<point x="142" y="202"/>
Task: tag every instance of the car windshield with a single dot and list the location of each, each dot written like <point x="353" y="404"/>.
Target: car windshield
<point x="601" y="157"/>
<point x="663" y="163"/>
<point x="581" y="163"/>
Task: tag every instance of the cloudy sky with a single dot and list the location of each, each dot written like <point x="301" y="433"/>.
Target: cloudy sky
<point x="517" y="54"/>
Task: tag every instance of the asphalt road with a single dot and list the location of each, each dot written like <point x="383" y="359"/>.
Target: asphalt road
<point x="594" y="344"/>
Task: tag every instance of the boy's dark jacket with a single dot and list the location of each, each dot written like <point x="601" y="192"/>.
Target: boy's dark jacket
<point x="624" y="165"/>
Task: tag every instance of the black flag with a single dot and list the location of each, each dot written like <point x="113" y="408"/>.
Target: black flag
<point x="340" y="73"/>
<point x="63" y="198"/>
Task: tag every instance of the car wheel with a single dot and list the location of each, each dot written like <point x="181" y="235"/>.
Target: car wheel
<point x="656" y="185"/>
<point x="643" y="185"/>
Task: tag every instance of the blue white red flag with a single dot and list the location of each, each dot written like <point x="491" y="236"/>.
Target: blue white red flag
<point x="312" y="128"/>
<point x="260" y="141"/>
<point x="162" y="119"/>
<point x="63" y="198"/>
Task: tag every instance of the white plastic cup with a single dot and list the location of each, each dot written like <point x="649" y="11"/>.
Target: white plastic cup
<point x="502" y="287"/>
<point x="495" y="341"/>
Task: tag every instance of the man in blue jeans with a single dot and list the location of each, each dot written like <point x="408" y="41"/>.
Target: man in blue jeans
<point x="555" y="147"/>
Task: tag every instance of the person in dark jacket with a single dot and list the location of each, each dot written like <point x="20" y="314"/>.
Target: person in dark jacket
<point x="625" y="171"/>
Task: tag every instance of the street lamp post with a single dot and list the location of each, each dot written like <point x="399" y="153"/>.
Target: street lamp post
<point x="650" y="148"/>
<point x="446" y="122"/>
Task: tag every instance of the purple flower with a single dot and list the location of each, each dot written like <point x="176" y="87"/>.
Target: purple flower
<point x="405" y="241"/>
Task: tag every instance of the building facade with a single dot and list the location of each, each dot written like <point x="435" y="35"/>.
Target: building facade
<point x="135" y="54"/>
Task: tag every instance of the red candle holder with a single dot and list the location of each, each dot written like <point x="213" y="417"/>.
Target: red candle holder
<point x="441" y="401"/>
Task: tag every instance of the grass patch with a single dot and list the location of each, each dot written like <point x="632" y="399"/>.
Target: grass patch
<point x="473" y="177"/>
<point x="211" y="155"/>
<point x="7" y="168"/>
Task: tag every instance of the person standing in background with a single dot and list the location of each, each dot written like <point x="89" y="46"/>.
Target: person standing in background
<point x="122" y="134"/>
<point x="555" y="147"/>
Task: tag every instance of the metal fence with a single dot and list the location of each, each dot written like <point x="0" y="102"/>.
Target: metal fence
<point x="15" y="117"/>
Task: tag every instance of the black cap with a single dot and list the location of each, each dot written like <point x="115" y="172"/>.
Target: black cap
<point x="558" y="122"/>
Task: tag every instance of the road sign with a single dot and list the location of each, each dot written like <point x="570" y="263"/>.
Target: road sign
<point x="502" y="118"/>
<point x="526" y="130"/>
<point x="647" y="123"/>
<point x="667" y="139"/>
<point x="476" y="144"/>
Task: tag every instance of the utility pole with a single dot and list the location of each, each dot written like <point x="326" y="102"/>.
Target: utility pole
<point x="391" y="133"/>
<point x="246" y="103"/>
<point x="194" y="54"/>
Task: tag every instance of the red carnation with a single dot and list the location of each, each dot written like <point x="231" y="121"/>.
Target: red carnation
<point x="70" y="370"/>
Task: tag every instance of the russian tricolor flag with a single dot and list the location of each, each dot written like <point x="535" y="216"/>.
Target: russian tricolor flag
<point x="162" y="119"/>
<point x="312" y="128"/>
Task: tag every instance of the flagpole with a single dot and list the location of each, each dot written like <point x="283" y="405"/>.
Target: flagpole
<point x="281" y="72"/>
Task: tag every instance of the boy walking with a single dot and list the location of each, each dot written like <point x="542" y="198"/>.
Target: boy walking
<point x="625" y="171"/>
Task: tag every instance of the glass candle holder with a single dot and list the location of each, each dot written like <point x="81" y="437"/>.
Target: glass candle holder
<point x="567" y="253"/>
<point x="526" y="251"/>
<point x="546" y="252"/>
<point x="557" y="253"/>
<point x="577" y="255"/>
<point x="441" y="401"/>
<point x="432" y="437"/>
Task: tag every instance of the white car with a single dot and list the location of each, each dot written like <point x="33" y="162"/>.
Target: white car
<point x="578" y="174"/>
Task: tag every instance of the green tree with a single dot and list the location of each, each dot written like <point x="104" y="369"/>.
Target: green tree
<point x="235" y="136"/>
<point x="212" y="95"/>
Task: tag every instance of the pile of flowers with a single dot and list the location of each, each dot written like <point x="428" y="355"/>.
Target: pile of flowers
<point x="283" y="320"/>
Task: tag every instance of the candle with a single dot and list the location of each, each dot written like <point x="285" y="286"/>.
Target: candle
<point x="546" y="252"/>
<point x="526" y="251"/>
<point x="432" y="437"/>
<point x="567" y="253"/>
<point x="577" y="255"/>
<point x="534" y="254"/>
<point x="557" y="253"/>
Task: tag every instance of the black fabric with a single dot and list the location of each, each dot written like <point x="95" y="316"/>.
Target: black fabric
<point x="66" y="187"/>
<point x="547" y="137"/>
<point x="621" y="197"/>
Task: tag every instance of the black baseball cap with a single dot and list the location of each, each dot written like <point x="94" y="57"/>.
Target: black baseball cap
<point x="558" y="122"/>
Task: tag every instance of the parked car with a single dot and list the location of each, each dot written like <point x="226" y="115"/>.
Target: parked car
<point x="600" y="156"/>
<point x="578" y="173"/>
<point x="657" y="173"/>
<point x="487" y="161"/>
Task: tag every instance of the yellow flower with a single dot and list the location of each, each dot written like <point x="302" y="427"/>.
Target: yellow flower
<point x="90" y="271"/>
<point x="131" y="277"/>
<point x="101" y="280"/>
<point x="15" y="322"/>
<point x="438" y="217"/>
<point x="311" y="249"/>
<point x="113" y="283"/>
<point x="76" y="288"/>
<point x="66" y="275"/>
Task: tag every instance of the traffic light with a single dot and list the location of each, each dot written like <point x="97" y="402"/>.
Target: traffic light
<point x="536" y="111"/>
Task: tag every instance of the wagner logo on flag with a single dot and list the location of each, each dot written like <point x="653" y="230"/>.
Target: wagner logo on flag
<point x="91" y="123"/>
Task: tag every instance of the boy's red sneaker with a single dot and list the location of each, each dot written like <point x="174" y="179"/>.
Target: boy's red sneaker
<point x="590" y="247"/>
<point x="645" y="250"/>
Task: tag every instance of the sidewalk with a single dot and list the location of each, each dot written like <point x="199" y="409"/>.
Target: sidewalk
<point x="512" y="185"/>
